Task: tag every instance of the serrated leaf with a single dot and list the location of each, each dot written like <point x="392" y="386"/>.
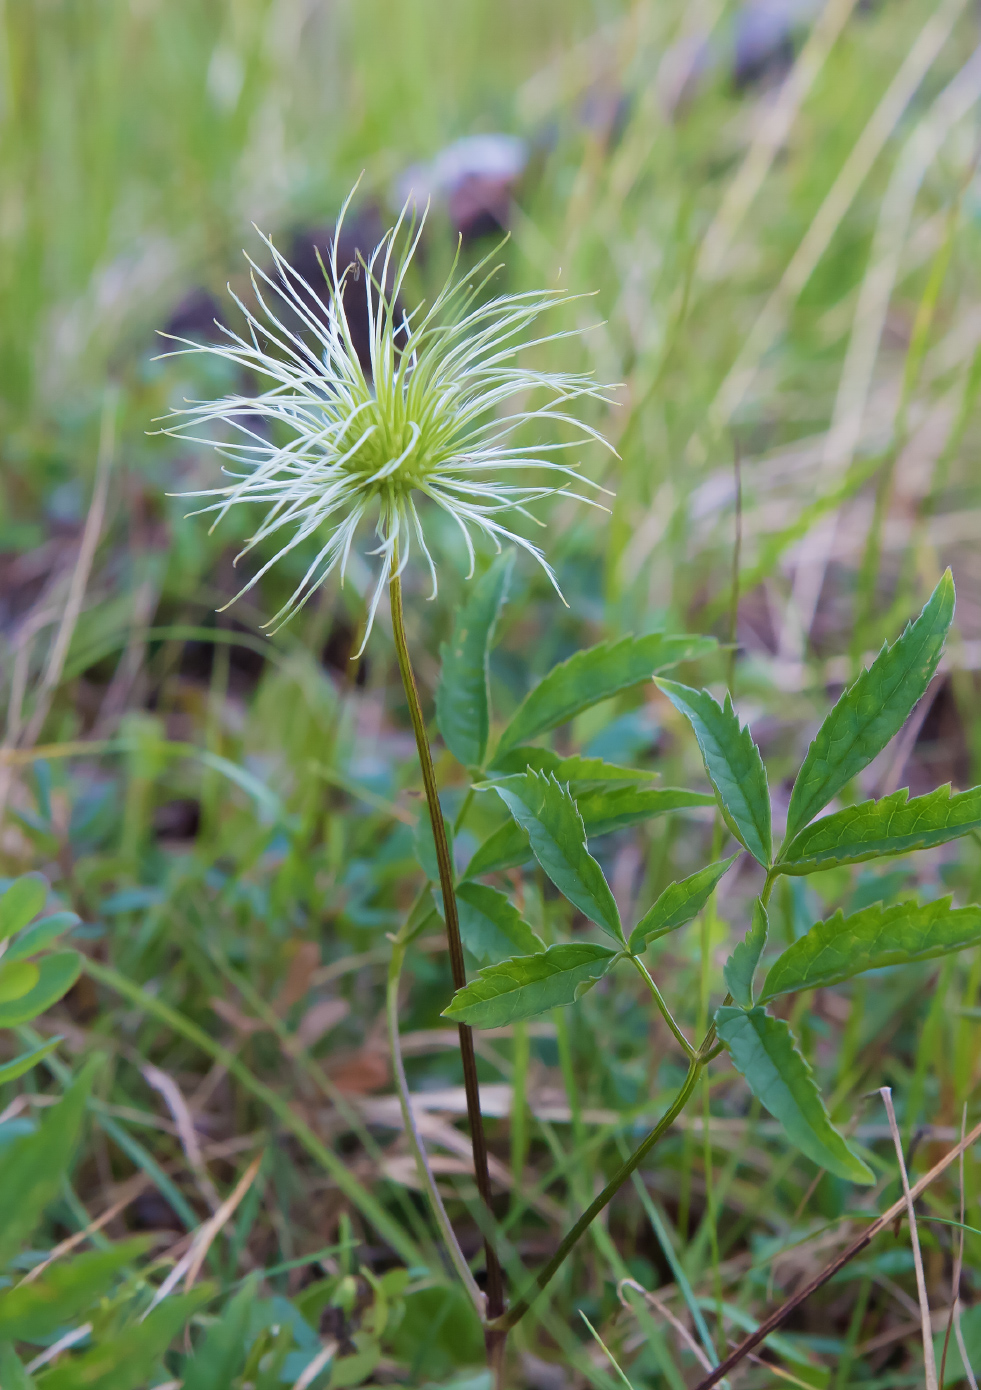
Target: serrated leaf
<point x="605" y="811"/>
<point x="506" y="848"/>
<point x="733" y="763"/>
<point x="221" y="1356"/>
<point x="126" y="1360"/>
<point x="23" y="900"/>
<point x="593" y="675"/>
<point x="32" y="1312"/>
<point x="740" y="968"/>
<point x="32" y="1168"/>
<point x="678" y="904"/>
<point x="762" y="1049"/>
<point x="872" y="710"/>
<point x="463" y="693"/>
<point x="877" y="829"/>
<point x="529" y="985"/>
<point x="18" y="1066"/>
<point x="558" y="840"/>
<point x="56" y="975"/>
<point x="840" y="947"/>
<point x="40" y="935"/>
<point x="574" y="769"/>
<point x="16" y="978"/>
<point x="491" y="926"/>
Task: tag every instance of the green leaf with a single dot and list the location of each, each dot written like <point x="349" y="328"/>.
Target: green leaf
<point x="16" y="978"/>
<point x="127" y="1360"/>
<point x="840" y="947"/>
<point x="576" y="770"/>
<point x="33" y="1167"/>
<point x="558" y="840"/>
<point x="32" y="1312"/>
<point x="875" y="829"/>
<point x="221" y="1356"/>
<point x="491" y="926"/>
<point x="40" y="935"/>
<point x="11" y="1070"/>
<point x="463" y="693"/>
<point x="56" y="975"/>
<point x="740" y="968"/>
<point x="594" y="675"/>
<point x="678" y="904"/>
<point x="530" y="985"/>
<point x="872" y="710"/>
<point x="605" y="811"/>
<point x="23" y="900"/>
<point x="12" y="1373"/>
<point x="762" y="1049"/>
<point x="506" y="848"/>
<point x="733" y="763"/>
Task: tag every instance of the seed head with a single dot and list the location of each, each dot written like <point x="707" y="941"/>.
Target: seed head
<point x="328" y="445"/>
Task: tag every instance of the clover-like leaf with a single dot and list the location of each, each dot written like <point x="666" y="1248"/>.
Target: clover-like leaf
<point x="678" y="904"/>
<point x="463" y="693"/>
<point x="55" y="976"/>
<point x="555" y="828"/>
<point x="877" y="829"/>
<point x="529" y="985"/>
<point x="872" y="710"/>
<point x="593" y="675"/>
<point x="762" y="1049"/>
<point x="22" y="901"/>
<point x="840" y="947"/>
<point x="733" y="764"/>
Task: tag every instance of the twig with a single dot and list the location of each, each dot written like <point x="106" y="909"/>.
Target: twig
<point x="881" y="1223"/>
<point x="929" y="1361"/>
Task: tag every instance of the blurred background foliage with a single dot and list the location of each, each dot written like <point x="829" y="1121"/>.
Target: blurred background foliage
<point x="776" y="210"/>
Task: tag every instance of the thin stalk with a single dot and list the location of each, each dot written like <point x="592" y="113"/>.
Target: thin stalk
<point x="662" y="1006"/>
<point x="426" y="1179"/>
<point x="517" y="1312"/>
<point x="495" y="1278"/>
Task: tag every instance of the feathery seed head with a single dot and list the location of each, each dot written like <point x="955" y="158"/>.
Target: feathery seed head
<point x="327" y="445"/>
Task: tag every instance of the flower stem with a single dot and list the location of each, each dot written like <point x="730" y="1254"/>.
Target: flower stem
<point x="495" y="1278"/>
<point x="517" y="1312"/>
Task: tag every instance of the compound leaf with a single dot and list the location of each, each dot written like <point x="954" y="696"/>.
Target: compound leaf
<point x="740" y="968"/>
<point x="840" y="947"/>
<point x="127" y="1360"/>
<point x="678" y="904"/>
<point x="506" y="848"/>
<point x="733" y="763"/>
<point x="876" y="829"/>
<point x="555" y="828"/>
<point x="872" y="710"/>
<point x="762" y="1049"/>
<point x="575" y="769"/>
<point x="605" y="811"/>
<point x="530" y="985"/>
<point x="491" y="926"/>
<point x="593" y="675"/>
<point x="56" y="975"/>
<point x="463" y="693"/>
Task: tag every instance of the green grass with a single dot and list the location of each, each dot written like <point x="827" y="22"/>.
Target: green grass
<point x="138" y="142"/>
